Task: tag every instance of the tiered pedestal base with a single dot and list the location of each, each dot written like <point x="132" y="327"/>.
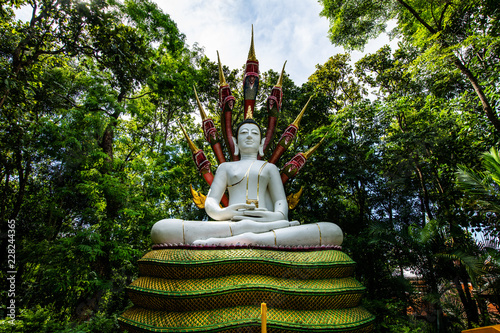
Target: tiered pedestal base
<point x="220" y="290"/>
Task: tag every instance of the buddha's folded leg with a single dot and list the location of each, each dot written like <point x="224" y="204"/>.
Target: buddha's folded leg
<point x="176" y="231"/>
<point x="317" y="234"/>
<point x="167" y="231"/>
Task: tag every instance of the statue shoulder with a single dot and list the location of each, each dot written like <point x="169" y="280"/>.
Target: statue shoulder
<point x="223" y="166"/>
<point x="272" y="167"/>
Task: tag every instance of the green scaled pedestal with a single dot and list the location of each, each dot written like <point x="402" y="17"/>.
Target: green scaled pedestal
<point x="206" y="289"/>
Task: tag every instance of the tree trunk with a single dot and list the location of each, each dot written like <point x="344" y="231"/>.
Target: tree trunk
<point x="107" y="142"/>
<point x="490" y="113"/>
<point x="24" y="173"/>
<point x="425" y="192"/>
<point x="108" y="136"/>
<point x="465" y="297"/>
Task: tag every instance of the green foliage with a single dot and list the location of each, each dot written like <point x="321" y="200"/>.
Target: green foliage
<point x="451" y="36"/>
<point x="387" y="175"/>
<point x="355" y="22"/>
<point x="88" y="161"/>
<point x="391" y="319"/>
<point x="483" y="185"/>
<point x="41" y="320"/>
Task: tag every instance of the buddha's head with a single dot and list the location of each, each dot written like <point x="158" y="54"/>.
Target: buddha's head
<point x="248" y="138"/>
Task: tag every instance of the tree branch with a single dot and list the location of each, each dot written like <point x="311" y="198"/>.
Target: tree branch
<point x="440" y="23"/>
<point x="136" y="97"/>
<point x="417" y="16"/>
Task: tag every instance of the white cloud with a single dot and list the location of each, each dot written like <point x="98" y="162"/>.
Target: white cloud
<point x="283" y="30"/>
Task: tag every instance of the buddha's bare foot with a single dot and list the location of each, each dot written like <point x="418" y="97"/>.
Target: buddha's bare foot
<point x="246" y="238"/>
<point x="203" y="241"/>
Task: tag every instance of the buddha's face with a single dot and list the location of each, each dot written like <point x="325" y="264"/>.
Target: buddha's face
<point x="249" y="138"/>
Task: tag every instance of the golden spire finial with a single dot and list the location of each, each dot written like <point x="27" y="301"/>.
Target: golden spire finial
<point x="251" y="52"/>
<point x="299" y="117"/>
<point x="192" y="146"/>
<point x="202" y="112"/>
<point x="280" y="80"/>
<point x="249" y="113"/>
<point x="222" y="79"/>
<point x="308" y="153"/>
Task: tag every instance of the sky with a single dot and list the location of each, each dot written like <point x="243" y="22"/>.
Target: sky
<point x="284" y="30"/>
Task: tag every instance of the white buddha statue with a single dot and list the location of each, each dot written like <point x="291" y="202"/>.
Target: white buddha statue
<point x="257" y="213"/>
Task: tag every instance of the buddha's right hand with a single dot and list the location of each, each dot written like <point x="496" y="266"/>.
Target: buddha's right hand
<point x="227" y="213"/>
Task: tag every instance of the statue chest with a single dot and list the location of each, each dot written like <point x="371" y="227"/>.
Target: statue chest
<point x="248" y="181"/>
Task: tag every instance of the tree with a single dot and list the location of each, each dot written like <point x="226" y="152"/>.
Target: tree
<point x="87" y="93"/>
<point x="426" y="134"/>
<point x="461" y="35"/>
